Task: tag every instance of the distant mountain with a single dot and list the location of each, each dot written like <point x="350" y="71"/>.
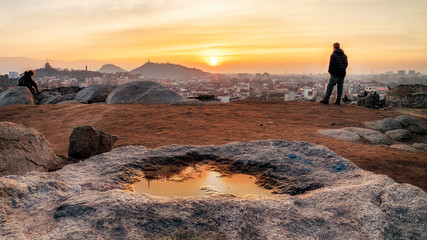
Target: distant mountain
<point x="167" y="70"/>
<point x="111" y="68"/>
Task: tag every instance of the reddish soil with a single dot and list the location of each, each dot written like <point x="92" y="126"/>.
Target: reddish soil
<point x="158" y="125"/>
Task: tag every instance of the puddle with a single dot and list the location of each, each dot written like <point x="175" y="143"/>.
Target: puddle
<point x="197" y="181"/>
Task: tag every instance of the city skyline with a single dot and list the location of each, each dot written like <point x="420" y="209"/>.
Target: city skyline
<point x="222" y="36"/>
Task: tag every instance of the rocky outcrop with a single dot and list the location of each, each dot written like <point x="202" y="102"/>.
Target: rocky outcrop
<point x="411" y="124"/>
<point x="398" y="134"/>
<point x="24" y="150"/>
<point x="411" y="96"/>
<point x="384" y="125"/>
<point x="86" y="141"/>
<point x="143" y="92"/>
<point x="372" y="100"/>
<point x="421" y="146"/>
<point x="403" y="147"/>
<point x="17" y="95"/>
<point x="93" y="94"/>
<point x="374" y="137"/>
<point x="341" y="135"/>
<point x="323" y="196"/>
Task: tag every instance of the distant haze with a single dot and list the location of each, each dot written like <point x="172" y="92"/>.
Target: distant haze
<point x="275" y="36"/>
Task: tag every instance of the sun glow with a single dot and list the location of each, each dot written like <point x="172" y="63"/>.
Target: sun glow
<point x="213" y="61"/>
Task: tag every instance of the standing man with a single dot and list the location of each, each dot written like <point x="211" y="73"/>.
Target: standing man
<point x="337" y="68"/>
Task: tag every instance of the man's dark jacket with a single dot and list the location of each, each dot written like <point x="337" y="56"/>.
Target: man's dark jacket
<point x="338" y="63"/>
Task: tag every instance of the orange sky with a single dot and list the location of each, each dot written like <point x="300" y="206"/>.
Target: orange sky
<point x="240" y="35"/>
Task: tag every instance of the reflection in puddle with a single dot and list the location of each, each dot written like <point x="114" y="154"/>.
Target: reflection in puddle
<point x="198" y="181"/>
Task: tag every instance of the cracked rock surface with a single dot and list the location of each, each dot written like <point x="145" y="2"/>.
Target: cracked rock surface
<point x="23" y="150"/>
<point x="321" y="196"/>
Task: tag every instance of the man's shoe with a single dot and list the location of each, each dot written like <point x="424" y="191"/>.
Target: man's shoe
<point x="324" y="101"/>
<point x="337" y="103"/>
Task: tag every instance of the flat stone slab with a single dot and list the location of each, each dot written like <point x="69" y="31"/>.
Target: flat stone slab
<point x="421" y="146"/>
<point x="340" y="134"/>
<point x="323" y="196"/>
<point x="403" y="147"/>
<point x="372" y="136"/>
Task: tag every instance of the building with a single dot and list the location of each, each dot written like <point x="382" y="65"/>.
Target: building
<point x="13" y="75"/>
<point x="401" y="73"/>
<point x="411" y="73"/>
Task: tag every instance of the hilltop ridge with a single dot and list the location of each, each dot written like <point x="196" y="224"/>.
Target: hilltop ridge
<point x="111" y="68"/>
<point x="167" y="70"/>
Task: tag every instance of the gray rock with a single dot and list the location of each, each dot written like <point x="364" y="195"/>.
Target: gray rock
<point x="411" y="124"/>
<point x="325" y="197"/>
<point x="372" y="136"/>
<point x="403" y="147"/>
<point x="24" y="150"/>
<point x="398" y="134"/>
<point x="384" y="125"/>
<point x="340" y="134"/>
<point x="86" y="141"/>
<point x="53" y="100"/>
<point x="68" y="102"/>
<point x="189" y="102"/>
<point x="93" y="94"/>
<point x="70" y="96"/>
<point x="421" y="146"/>
<point x="17" y="95"/>
<point x="143" y="92"/>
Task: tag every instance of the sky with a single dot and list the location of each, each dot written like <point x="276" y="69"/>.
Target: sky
<point x="276" y="36"/>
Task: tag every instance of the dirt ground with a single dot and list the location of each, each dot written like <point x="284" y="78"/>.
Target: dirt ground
<point x="158" y="125"/>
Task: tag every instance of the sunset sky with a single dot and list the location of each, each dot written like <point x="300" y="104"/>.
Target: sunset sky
<point x="275" y="36"/>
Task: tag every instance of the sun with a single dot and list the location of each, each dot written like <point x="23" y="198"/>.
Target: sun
<point x="213" y="61"/>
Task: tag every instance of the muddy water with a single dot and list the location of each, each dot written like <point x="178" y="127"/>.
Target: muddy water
<point x="199" y="181"/>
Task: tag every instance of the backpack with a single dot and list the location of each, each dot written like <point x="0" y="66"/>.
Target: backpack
<point x="21" y="81"/>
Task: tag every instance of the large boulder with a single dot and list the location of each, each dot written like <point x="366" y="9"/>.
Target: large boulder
<point x="17" y="95"/>
<point x="411" y="124"/>
<point x="412" y="96"/>
<point x="93" y="94"/>
<point x="23" y="150"/>
<point x="384" y="125"/>
<point x="319" y="196"/>
<point x="372" y="100"/>
<point x="143" y="92"/>
<point x="86" y="141"/>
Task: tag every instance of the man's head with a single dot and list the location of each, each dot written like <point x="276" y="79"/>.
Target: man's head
<point x="31" y="72"/>
<point x="336" y="45"/>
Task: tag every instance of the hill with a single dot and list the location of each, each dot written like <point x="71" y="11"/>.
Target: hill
<point x="167" y="70"/>
<point x="161" y="125"/>
<point x="111" y="68"/>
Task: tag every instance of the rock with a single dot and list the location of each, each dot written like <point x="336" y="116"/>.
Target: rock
<point x="143" y="92"/>
<point x="188" y="102"/>
<point x="53" y="100"/>
<point x="372" y="100"/>
<point x="421" y="146"/>
<point x="68" y="102"/>
<point x="70" y="96"/>
<point x="341" y="135"/>
<point x="369" y="135"/>
<point x="411" y="124"/>
<point x="24" y="150"/>
<point x="409" y="96"/>
<point x="17" y="95"/>
<point x="384" y="125"/>
<point x="86" y="141"/>
<point x="93" y="94"/>
<point x="324" y="197"/>
<point x="398" y="134"/>
<point x="403" y="147"/>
